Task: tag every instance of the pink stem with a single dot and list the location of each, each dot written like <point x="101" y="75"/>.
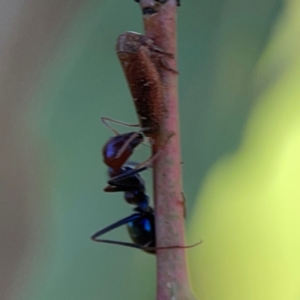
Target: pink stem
<point x="172" y="275"/>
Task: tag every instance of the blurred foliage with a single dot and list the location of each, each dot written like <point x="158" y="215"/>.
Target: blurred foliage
<point x="248" y="208"/>
<point x="238" y="105"/>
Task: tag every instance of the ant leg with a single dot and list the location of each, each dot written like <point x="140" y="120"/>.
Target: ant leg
<point x="117" y="180"/>
<point x="105" y="121"/>
<point x="124" y="221"/>
<point x="147" y="163"/>
<point x="171" y="247"/>
<point x="122" y="244"/>
<point x="114" y="226"/>
<point x="146" y="248"/>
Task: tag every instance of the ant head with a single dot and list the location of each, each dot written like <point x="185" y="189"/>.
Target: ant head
<point x="119" y="148"/>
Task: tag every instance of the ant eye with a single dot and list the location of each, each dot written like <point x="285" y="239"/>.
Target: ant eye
<point x="149" y="11"/>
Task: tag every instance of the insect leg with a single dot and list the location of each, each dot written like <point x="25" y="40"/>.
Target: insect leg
<point x="117" y="180"/>
<point x="114" y="226"/>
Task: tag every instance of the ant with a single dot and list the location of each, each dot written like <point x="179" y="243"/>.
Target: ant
<point x="126" y="178"/>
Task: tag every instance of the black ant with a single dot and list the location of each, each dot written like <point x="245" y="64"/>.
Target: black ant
<point x="125" y="178"/>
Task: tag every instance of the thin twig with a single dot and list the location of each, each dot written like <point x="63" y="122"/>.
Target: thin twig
<point x="172" y="275"/>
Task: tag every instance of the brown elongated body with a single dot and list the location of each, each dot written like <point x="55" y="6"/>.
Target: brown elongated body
<point x="140" y="60"/>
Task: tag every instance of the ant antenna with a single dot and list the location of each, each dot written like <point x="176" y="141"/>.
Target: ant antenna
<point x="105" y="121"/>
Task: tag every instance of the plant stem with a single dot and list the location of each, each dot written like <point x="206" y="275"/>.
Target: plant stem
<point x="172" y="275"/>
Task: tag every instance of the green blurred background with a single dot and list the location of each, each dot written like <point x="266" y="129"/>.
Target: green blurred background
<point x="239" y="69"/>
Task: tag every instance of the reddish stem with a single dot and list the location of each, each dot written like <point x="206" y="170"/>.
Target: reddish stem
<point x="172" y="276"/>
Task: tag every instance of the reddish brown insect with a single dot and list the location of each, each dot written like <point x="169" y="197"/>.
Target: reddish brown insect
<point x="141" y="61"/>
